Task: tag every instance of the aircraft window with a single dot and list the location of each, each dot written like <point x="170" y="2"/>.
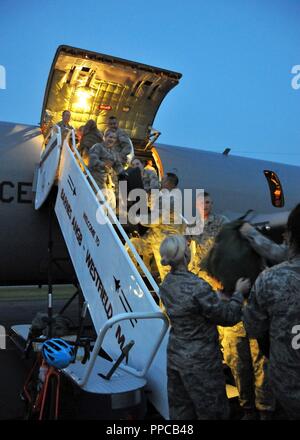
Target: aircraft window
<point x="275" y="187"/>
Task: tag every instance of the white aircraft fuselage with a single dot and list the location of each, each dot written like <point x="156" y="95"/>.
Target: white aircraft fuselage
<point x="94" y="86"/>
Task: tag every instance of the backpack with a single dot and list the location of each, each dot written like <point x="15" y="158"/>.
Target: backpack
<point x="232" y="257"/>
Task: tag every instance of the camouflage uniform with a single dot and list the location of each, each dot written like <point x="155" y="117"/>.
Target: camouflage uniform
<point x="144" y="249"/>
<point x="87" y="142"/>
<point x="249" y="368"/>
<point x="196" y="382"/>
<point x="202" y="242"/>
<point x="150" y="180"/>
<point x="101" y="173"/>
<point x="247" y="363"/>
<point x="266" y="248"/>
<point x="240" y="352"/>
<point x="274" y="307"/>
<point x="64" y="128"/>
<point x="160" y="228"/>
<point x="123" y="146"/>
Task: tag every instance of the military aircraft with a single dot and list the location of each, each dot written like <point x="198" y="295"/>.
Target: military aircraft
<point x="95" y="86"/>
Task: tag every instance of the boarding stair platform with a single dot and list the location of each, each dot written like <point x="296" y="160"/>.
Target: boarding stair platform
<point x="120" y="296"/>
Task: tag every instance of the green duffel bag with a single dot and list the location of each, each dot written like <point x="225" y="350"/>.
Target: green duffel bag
<point x="232" y="257"/>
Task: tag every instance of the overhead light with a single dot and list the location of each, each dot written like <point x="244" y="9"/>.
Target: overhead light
<point x="82" y="100"/>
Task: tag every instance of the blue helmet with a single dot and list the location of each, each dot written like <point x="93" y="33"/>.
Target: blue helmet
<point x="58" y="353"/>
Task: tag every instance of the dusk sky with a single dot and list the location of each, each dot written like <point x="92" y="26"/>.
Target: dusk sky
<point x="236" y="57"/>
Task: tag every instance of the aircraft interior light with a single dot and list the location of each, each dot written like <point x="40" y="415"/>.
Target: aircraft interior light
<point x="83" y="100"/>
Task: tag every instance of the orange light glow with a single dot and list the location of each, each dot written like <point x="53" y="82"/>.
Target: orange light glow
<point x="105" y="107"/>
<point x="83" y="100"/>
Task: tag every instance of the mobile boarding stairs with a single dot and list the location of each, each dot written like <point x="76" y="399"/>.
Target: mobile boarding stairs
<point x="121" y="306"/>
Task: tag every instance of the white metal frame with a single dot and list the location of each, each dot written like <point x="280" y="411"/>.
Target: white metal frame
<point x="112" y="216"/>
<point x="101" y="335"/>
<point x="55" y="132"/>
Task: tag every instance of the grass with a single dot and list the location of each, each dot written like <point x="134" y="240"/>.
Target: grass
<point x="12" y="293"/>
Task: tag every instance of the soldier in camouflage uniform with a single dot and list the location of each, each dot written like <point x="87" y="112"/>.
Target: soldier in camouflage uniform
<point x="203" y="234"/>
<point x="161" y="224"/>
<point x="149" y="176"/>
<point x="274" y="307"/>
<point x="102" y="163"/>
<point x="90" y="136"/>
<point x="64" y="124"/>
<point x="247" y="363"/>
<point x="249" y="368"/>
<point x="196" y="382"/>
<point x="243" y="355"/>
<point x="123" y="146"/>
<point x="246" y="349"/>
<point x="150" y="181"/>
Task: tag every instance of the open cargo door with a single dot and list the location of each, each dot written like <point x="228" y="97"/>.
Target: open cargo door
<point x="96" y="86"/>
